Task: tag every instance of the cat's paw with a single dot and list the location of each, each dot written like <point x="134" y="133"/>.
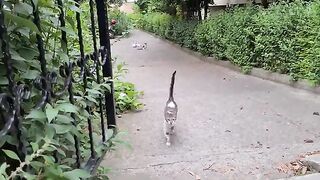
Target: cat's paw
<point x="168" y="144"/>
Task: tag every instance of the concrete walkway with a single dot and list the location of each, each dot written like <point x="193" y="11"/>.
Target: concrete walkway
<point x="230" y="125"/>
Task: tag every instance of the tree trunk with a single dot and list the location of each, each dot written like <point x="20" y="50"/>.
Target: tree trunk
<point x="199" y="9"/>
<point x="264" y="3"/>
<point x="206" y="6"/>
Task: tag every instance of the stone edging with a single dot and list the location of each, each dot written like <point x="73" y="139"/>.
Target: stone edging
<point x="256" y="72"/>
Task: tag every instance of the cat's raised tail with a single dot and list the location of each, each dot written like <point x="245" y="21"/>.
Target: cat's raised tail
<point x="172" y="85"/>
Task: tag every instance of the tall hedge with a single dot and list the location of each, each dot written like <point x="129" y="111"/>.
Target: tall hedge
<point x="284" y="38"/>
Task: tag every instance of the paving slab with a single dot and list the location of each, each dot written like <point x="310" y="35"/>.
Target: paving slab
<point x="315" y="176"/>
<point x="230" y="125"/>
<point x="313" y="162"/>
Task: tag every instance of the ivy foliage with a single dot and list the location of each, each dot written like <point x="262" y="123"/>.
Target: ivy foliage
<point x="48" y="132"/>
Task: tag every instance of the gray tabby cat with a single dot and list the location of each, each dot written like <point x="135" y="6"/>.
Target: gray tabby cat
<point x="170" y="113"/>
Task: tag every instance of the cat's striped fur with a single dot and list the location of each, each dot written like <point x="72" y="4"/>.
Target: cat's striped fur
<point x="170" y="113"/>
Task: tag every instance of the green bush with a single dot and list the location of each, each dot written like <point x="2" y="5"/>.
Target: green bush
<point x="284" y="38"/>
<point x="123" y="22"/>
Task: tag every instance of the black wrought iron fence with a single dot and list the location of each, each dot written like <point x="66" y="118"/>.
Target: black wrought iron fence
<point x="18" y="92"/>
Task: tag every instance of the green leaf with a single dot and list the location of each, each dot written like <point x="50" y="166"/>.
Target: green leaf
<point x="21" y="22"/>
<point x="75" y="8"/>
<point x="35" y="2"/>
<point x="62" y="129"/>
<point x="24" y="31"/>
<point x="31" y="74"/>
<point x="28" y="158"/>
<point x="37" y="164"/>
<point x="68" y="161"/>
<point x="11" y="154"/>
<point x="63" y="119"/>
<point x="36" y="114"/>
<point x="68" y="107"/>
<point x="28" y="53"/>
<point x="68" y="31"/>
<point x="3" y="168"/>
<point x="107" y="86"/>
<point x="48" y="159"/>
<point x="16" y="56"/>
<point x="4" y="81"/>
<point x="64" y="57"/>
<point x="2" y="177"/>
<point x="61" y="152"/>
<point x="91" y="99"/>
<point x="77" y="174"/>
<point x="109" y="134"/>
<point x="93" y="91"/>
<point x="70" y="21"/>
<point x="64" y="167"/>
<point x="34" y="146"/>
<point x="51" y="113"/>
<point x="23" y="8"/>
<point x="29" y="176"/>
<point x="11" y="140"/>
<point x="70" y="138"/>
<point x="50" y="131"/>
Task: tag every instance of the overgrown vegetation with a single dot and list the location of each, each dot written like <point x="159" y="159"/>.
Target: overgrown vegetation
<point x="48" y="132"/>
<point x="283" y="38"/>
<point x="126" y="94"/>
<point x="123" y="22"/>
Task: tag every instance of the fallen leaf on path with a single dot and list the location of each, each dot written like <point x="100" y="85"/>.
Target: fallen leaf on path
<point x="295" y="166"/>
<point x="308" y="141"/>
<point x="310" y="153"/>
<point x="197" y="177"/>
<point x="304" y="170"/>
<point x="283" y="168"/>
<point x="208" y="168"/>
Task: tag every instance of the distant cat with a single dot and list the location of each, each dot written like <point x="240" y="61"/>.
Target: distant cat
<point x="142" y="46"/>
<point x="170" y="113"/>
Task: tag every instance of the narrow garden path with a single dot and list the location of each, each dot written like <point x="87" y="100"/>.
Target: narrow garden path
<point x="230" y="125"/>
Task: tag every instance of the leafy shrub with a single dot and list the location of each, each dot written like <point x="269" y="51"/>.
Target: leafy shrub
<point x="182" y="32"/>
<point x="126" y="95"/>
<point x="123" y="22"/>
<point x="48" y="132"/>
<point x="283" y="38"/>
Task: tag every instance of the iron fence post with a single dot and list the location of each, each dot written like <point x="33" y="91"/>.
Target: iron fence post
<point x="107" y="66"/>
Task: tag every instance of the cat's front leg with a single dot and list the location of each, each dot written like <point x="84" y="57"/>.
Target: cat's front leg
<point x="172" y="130"/>
<point x="168" y="143"/>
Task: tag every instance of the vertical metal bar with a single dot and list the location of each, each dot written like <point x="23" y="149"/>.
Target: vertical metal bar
<point x="76" y="140"/>
<point x="95" y="57"/>
<point x="83" y="64"/>
<point x="64" y="41"/>
<point x="5" y="50"/>
<point x="12" y="85"/>
<point x="107" y="67"/>
<point x="64" y="44"/>
<point x="42" y="59"/>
